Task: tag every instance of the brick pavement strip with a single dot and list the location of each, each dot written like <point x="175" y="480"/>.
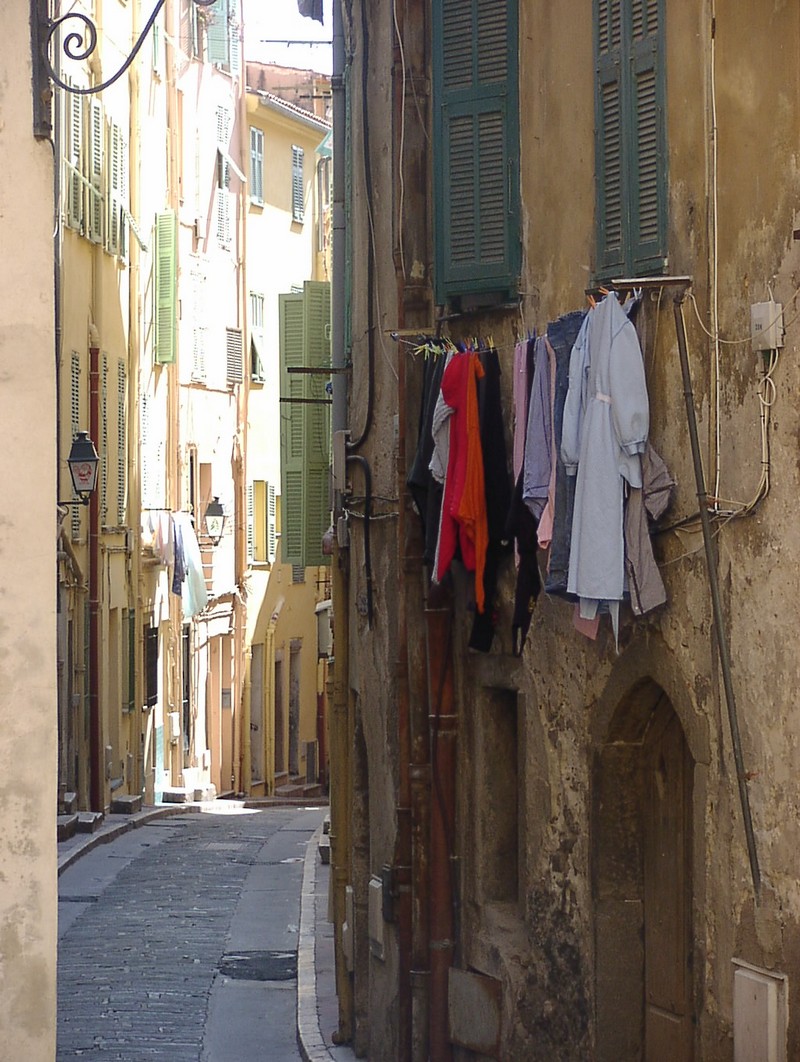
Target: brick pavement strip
<point x="135" y="969"/>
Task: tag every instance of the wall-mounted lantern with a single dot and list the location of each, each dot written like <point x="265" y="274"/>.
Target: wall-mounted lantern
<point x="83" y="464"/>
<point x="215" y="521"/>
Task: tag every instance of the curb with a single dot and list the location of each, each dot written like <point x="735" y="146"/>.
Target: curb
<point x="109" y="831"/>
<point x="309" y="1038"/>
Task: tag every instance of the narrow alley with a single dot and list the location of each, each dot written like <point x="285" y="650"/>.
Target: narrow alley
<point x="179" y="940"/>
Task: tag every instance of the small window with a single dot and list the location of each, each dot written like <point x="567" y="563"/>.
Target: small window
<point x="257" y="373"/>
<point x="298" y="573"/>
<point x="298" y="190"/>
<point x="151" y="665"/>
<point x="256" y="165"/>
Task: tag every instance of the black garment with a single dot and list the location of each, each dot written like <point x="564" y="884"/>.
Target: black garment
<point x="497" y="490"/>
<point x="523" y="526"/>
<point x="425" y="490"/>
<point x="310" y="8"/>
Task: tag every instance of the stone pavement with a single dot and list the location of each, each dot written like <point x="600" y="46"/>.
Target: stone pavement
<point x="223" y="912"/>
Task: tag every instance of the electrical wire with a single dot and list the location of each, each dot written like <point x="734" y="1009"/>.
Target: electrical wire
<point x="401" y="160"/>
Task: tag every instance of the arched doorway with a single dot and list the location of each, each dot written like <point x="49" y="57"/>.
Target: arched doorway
<point x="642" y="883"/>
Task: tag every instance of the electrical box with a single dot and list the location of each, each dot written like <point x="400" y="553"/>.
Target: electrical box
<point x="766" y="325"/>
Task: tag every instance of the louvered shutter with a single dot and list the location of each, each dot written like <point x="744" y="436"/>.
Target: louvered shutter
<point x="217" y="34"/>
<point x="272" y="527"/>
<point x="165" y="288"/>
<point x="476" y="146"/>
<point x="116" y="197"/>
<point x="104" y="434"/>
<point x="122" y="440"/>
<point x="290" y="310"/>
<point x="75" y="427"/>
<point x="630" y="138"/>
<point x="609" y="134"/>
<point x="648" y="139"/>
<point x="256" y="164"/>
<point x="75" y="151"/>
<point x="250" y="523"/>
<point x="234" y="356"/>
<point x="298" y="184"/>
<point x="96" y="176"/>
<point x="234" y="47"/>
<point x="317" y="335"/>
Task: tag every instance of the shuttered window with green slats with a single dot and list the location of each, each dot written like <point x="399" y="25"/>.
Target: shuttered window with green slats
<point x="630" y="138"/>
<point x="165" y="288"/>
<point x="476" y="147"/>
<point x="305" y="342"/>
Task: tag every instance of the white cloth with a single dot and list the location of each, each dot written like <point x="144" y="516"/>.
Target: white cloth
<point x="606" y="422"/>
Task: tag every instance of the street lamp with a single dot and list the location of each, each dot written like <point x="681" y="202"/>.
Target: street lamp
<point x="215" y="520"/>
<point x="83" y="464"/>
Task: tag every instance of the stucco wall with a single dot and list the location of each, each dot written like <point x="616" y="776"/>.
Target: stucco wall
<point x="28" y="766"/>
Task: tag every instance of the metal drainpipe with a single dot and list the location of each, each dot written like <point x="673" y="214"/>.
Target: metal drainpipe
<point x="97" y="767"/>
<point x="444" y="736"/>
<point x="340" y="729"/>
<point x="716" y="602"/>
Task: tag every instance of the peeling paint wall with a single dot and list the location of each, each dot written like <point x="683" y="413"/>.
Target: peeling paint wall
<point x="28" y="758"/>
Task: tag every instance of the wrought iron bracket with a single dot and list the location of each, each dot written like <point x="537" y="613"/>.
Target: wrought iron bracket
<point x="77" y="45"/>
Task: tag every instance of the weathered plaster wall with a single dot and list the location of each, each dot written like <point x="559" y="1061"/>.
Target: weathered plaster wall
<point x="28" y="758"/>
<point x="541" y="944"/>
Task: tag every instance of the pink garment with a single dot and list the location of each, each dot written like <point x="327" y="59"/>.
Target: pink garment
<point x="545" y="532"/>
<point x="589" y="627"/>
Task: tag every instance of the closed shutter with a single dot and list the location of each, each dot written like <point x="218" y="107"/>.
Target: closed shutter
<point x="630" y="138"/>
<point x="250" y="523"/>
<point x="649" y="190"/>
<point x="272" y="527"/>
<point x="122" y="444"/>
<point x="476" y="147"/>
<point x="234" y="356"/>
<point x="317" y="333"/>
<point x="129" y="660"/>
<point x="116" y="195"/>
<point x="95" y="191"/>
<point x="199" y="329"/>
<point x="104" y="433"/>
<point x="610" y="176"/>
<point x="75" y="427"/>
<point x="217" y="34"/>
<point x="298" y="184"/>
<point x="74" y="158"/>
<point x="290" y="312"/>
<point x="165" y="288"/>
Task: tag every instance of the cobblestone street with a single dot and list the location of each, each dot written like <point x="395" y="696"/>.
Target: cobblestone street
<point x="178" y="940"/>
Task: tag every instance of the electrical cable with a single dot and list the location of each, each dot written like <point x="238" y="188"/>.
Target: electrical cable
<point x="401" y="202"/>
<point x="365" y="467"/>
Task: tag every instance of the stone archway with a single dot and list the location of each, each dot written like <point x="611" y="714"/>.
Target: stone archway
<point x="642" y="882"/>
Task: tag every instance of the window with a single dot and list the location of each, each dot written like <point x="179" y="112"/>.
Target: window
<point x="298" y="190"/>
<point x="305" y="424"/>
<point x="233" y="349"/>
<point x="165" y="288"/>
<point x="257" y="373"/>
<point x="116" y="198"/>
<point x="129" y="659"/>
<point x="256" y="165"/>
<point x="223" y="45"/>
<point x="476" y="149"/>
<point x="261" y="529"/>
<point x="630" y="137"/>
<point x="223" y="177"/>
<point x="151" y="665"/>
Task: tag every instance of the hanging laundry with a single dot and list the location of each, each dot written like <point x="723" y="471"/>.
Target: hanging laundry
<point x="562" y="335"/>
<point x="463" y="523"/>
<point x="497" y="493"/>
<point x="425" y="489"/>
<point x="644" y="582"/>
<point x="606" y="422"/>
<point x="539" y="439"/>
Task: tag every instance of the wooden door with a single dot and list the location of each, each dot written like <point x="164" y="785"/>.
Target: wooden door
<point x="667" y="894"/>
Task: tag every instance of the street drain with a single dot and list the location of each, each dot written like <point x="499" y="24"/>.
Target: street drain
<point x="259" y="965"/>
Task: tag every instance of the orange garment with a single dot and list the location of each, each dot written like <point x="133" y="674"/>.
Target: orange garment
<point x="464" y="504"/>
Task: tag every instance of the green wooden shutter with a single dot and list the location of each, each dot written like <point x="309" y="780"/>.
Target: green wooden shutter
<point x="217" y="34"/>
<point x="648" y="138"/>
<point x="96" y="190"/>
<point x="630" y="137"/>
<point x="317" y="335"/>
<point x="165" y="288"/>
<point x="476" y="147"/>
<point x="290" y="309"/>
<point x="298" y="184"/>
<point x="75" y="154"/>
<point x="609" y="133"/>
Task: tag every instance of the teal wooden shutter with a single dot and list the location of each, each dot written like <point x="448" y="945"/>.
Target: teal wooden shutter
<point x="476" y="146"/>
<point x="630" y="138"/>
<point x="648" y="137"/>
<point x="165" y="288"/>
<point x="290" y="311"/>
<point x="609" y="132"/>
<point x="96" y="189"/>
<point x="217" y="34"/>
<point x="317" y="334"/>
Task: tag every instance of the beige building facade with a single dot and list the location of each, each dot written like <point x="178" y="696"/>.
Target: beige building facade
<point x="587" y="850"/>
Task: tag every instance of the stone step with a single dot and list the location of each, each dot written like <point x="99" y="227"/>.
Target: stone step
<point x="89" y="821"/>
<point x="66" y="825"/>
<point x="126" y="804"/>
